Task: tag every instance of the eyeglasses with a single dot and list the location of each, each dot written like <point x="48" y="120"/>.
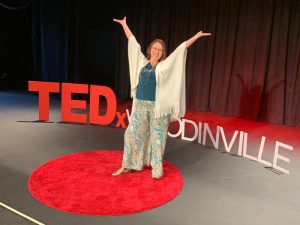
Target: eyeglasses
<point x="157" y="49"/>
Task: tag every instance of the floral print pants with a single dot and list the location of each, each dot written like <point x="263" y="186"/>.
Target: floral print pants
<point x="145" y="139"/>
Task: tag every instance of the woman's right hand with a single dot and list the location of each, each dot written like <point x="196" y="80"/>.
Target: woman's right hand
<point x="122" y="22"/>
<point x="125" y="27"/>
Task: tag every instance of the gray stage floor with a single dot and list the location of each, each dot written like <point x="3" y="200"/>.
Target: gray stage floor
<point x="219" y="188"/>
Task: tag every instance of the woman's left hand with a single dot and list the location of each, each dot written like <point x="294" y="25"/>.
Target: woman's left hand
<point x="201" y="34"/>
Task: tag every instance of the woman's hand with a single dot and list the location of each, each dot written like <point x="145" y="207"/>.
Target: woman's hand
<point x="201" y="34"/>
<point x="126" y="29"/>
<point x="122" y="22"/>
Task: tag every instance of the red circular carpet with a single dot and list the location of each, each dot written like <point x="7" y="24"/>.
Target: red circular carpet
<point x="82" y="183"/>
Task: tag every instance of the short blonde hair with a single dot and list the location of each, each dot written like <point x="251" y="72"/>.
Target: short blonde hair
<point x="164" y="52"/>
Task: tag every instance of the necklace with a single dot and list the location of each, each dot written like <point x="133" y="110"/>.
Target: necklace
<point x="145" y="75"/>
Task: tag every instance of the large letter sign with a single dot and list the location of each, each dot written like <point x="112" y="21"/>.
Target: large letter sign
<point x="67" y="103"/>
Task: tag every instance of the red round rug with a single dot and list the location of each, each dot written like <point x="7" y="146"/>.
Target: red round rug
<point x="82" y="183"/>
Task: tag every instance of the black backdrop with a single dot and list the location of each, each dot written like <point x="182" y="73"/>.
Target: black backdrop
<point x="249" y="68"/>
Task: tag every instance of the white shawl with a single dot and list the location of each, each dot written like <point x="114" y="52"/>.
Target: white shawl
<point x="170" y="79"/>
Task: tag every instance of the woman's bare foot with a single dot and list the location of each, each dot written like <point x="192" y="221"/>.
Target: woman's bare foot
<point x="122" y="170"/>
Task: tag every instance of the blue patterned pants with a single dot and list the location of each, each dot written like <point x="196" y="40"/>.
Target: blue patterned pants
<point x="145" y="139"/>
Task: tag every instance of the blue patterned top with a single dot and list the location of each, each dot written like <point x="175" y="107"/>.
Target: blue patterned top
<point x="147" y="84"/>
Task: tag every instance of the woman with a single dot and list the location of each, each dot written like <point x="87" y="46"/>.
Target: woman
<point x="158" y="92"/>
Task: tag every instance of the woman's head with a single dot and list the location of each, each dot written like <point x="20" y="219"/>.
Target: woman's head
<point x="157" y="50"/>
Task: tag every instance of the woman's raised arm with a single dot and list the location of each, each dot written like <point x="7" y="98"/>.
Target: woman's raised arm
<point x="125" y="26"/>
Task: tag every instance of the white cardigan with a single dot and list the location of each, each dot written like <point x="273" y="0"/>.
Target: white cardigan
<point x="170" y="79"/>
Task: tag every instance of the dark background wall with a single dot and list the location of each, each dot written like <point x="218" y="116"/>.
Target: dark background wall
<point x="57" y="40"/>
<point x="15" y="46"/>
<point x="248" y="68"/>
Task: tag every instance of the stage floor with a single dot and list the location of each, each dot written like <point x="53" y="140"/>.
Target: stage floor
<point x="219" y="187"/>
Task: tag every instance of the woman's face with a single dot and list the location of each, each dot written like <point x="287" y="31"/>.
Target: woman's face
<point x="156" y="51"/>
